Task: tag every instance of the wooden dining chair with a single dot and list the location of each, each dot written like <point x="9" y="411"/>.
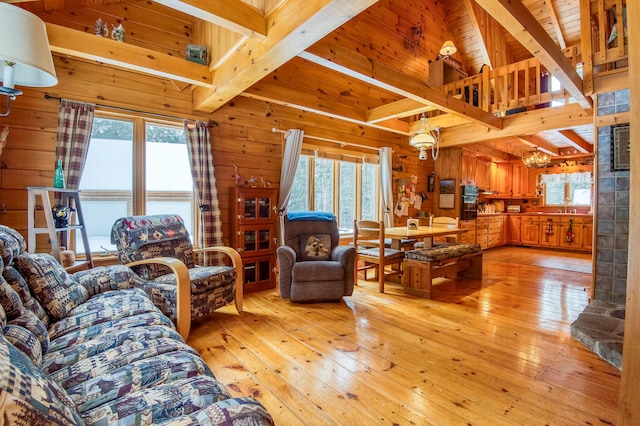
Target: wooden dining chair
<point x="377" y="258"/>
<point x="446" y="222"/>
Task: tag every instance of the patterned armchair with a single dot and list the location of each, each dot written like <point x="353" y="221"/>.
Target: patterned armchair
<point x="138" y="238"/>
<point x="313" y="267"/>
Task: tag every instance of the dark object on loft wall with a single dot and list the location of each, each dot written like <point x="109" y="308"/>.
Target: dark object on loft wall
<point x="414" y="42"/>
<point x="620" y="147"/>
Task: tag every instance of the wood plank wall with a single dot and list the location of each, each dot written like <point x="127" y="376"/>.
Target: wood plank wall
<point x="243" y="135"/>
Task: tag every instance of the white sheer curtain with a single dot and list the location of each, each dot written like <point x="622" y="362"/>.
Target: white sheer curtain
<point x="566" y="177"/>
<point x="387" y="185"/>
<point x="290" y="159"/>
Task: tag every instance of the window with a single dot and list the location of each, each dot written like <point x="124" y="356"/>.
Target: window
<point x="567" y="188"/>
<point x="127" y="157"/>
<point x="348" y="189"/>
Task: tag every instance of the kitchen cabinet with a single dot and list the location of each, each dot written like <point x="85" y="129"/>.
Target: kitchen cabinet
<point x="520" y="180"/>
<point x="468" y="166"/>
<point x="254" y="236"/>
<point x="587" y="234"/>
<point x="501" y="179"/>
<point x="483" y="174"/>
<point x="468" y="237"/>
<point x="549" y="231"/>
<point x="482" y="231"/>
<point x="495" y="231"/>
<point x="575" y="225"/>
<point x="513" y="224"/>
<point x="530" y="230"/>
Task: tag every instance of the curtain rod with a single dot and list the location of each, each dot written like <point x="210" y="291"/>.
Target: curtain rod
<point x="342" y="144"/>
<point x="211" y="123"/>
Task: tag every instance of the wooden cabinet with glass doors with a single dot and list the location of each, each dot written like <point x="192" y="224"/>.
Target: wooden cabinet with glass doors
<point x="254" y="236"/>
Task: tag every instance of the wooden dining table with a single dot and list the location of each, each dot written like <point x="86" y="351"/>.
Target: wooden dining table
<point x="424" y="233"/>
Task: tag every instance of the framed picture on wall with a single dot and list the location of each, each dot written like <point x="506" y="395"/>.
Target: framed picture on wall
<point x="447" y="193"/>
<point x="620" y="147"/>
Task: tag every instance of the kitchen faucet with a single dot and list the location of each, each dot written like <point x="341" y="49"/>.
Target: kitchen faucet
<point x="566" y="203"/>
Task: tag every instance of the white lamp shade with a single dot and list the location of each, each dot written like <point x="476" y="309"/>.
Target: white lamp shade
<point x="448" y="48"/>
<point x="23" y="41"/>
<point x="422" y="139"/>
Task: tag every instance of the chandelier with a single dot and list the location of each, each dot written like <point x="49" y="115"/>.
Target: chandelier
<point x="536" y="159"/>
<point x="426" y="138"/>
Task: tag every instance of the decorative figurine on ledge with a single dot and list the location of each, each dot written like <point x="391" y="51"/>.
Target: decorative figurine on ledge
<point x="62" y="215"/>
<point x="118" y="33"/>
<point x="238" y="177"/>
<point x="101" y="29"/>
<point x="197" y="53"/>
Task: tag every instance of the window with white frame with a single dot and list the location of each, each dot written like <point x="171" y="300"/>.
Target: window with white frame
<point x="349" y="188"/>
<point x="134" y="166"/>
<point x="572" y="189"/>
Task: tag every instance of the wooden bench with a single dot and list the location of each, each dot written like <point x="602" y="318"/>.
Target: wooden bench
<point x="420" y="267"/>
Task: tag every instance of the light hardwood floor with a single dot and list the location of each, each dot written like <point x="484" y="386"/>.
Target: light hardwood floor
<point x="496" y="352"/>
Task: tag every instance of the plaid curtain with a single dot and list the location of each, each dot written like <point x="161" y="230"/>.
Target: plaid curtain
<point x="75" y="120"/>
<point x="204" y="180"/>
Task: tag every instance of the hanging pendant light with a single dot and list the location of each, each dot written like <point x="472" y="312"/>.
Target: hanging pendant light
<point x="536" y="159"/>
<point x="426" y="138"/>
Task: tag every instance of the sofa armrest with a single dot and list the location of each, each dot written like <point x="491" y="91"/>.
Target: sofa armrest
<point x="236" y="261"/>
<point x="183" y="291"/>
<point x="286" y="260"/>
<point x="105" y="278"/>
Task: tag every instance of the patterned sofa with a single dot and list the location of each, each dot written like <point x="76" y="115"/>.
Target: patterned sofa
<point x="91" y="348"/>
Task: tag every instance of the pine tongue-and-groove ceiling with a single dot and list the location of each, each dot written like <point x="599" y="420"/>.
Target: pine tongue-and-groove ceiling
<point x="314" y="55"/>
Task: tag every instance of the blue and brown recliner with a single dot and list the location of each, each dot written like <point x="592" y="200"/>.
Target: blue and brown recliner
<point x="143" y="237"/>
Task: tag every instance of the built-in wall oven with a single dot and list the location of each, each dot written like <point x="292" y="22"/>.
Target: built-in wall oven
<point x="469" y="202"/>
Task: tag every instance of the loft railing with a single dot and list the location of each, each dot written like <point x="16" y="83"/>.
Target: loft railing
<point x="604" y="38"/>
<point x="519" y="85"/>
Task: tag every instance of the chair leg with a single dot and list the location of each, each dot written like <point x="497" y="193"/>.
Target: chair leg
<point x="381" y="277"/>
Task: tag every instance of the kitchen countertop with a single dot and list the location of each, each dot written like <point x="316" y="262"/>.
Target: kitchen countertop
<point x="536" y="214"/>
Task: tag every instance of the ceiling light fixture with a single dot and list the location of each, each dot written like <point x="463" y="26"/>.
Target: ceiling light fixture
<point x="536" y="159"/>
<point x="25" y="56"/>
<point x="448" y="48"/>
<point x="426" y="138"/>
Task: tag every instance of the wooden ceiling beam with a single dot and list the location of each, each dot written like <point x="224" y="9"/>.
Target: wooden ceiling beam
<point x="292" y="28"/>
<point x="519" y="22"/>
<point x="443" y="121"/>
<point x="235" y="15"/>
<point x="484" y="150"/>
<point x="537" y="141"/>
<point x="564" y="117"/>
<point x="477" y="33"/>
<point x="576" y="141"/>
<point x="356" y="65"/>
<point x="556" y="24"/>
<point x="319" y="104"/>
<point x="398" y="109"/>
<point x="66" y="41"/>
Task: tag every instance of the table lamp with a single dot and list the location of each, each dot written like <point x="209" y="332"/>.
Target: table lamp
<point x="25" y="57"/>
